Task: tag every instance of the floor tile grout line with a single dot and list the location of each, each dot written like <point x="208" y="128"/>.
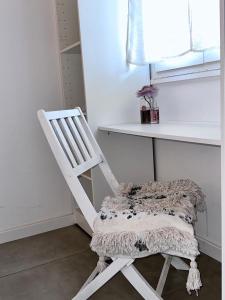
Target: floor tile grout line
<point x="43" y="264"/>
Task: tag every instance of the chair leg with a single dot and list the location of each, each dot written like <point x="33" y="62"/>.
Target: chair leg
<point x="91" y="287"/>
<point x="164" y="273"/>
<point x="124" y="265"/>
<point x="90" y="278"/>
<point x="140" y="284"/>
<point x="178" y="263"/>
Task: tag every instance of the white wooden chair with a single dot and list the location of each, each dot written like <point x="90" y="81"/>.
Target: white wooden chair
<point x="77" y="151"/>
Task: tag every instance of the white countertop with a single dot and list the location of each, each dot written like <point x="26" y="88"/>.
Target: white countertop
<point x="201" y="133"/>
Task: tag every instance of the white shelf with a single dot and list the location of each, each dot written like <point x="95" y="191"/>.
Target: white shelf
<point x="72" y="49"/>
<point x="200" y="133"/>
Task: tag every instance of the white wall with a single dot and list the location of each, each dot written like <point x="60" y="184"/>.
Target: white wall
<point x="110" y="84"/>
<point x="195" y="100"/>
<point x="33" y="192"/>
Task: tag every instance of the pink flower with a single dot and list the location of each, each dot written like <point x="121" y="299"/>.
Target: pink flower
<point x="149" y="91"/>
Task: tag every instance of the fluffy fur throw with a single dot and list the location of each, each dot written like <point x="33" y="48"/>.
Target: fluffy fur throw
<point x="151" y="218"/>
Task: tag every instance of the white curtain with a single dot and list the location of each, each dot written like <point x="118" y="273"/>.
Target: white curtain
<point x="159" y="29"/>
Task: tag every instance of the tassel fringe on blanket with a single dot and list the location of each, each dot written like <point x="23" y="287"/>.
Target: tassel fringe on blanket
<point x="101" y="265"/>
<point x="194" y="281"/>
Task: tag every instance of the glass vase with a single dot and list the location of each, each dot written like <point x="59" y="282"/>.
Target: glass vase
<point x="145" y="112"/>
<point x="154" y="113"/>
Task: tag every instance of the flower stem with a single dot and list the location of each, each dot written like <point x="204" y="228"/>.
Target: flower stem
<point x="147" y="101"/>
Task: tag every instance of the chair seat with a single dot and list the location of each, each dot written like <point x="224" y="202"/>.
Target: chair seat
<point x="151" y="218"/>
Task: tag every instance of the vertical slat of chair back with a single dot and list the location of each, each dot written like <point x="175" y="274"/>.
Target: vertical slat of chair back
<point x="73" y="139"/>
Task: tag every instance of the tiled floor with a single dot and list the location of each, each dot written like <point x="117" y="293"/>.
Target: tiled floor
<point x="53" y="266"/>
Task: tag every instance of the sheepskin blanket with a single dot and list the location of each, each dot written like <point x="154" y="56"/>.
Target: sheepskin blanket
<point x="150" y="218"/>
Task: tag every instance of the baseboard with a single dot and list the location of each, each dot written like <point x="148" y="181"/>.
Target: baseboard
<point x="211" y="249"/>
<point x="36" y="228"/>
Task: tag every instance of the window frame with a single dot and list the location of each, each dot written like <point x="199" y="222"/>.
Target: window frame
<point x="195" y="68"/>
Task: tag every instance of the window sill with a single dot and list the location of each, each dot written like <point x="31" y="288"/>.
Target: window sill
<point x="188" y="76"/>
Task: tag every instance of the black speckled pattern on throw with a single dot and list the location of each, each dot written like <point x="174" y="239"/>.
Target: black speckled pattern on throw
<point x="141" y="246"/>
<point x="180" y="198"/>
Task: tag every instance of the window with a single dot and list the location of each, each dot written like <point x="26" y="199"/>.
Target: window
<point x="179" y="38"/>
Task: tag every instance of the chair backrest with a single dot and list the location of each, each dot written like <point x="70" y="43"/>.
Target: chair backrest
<point x="76" y="151"/>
